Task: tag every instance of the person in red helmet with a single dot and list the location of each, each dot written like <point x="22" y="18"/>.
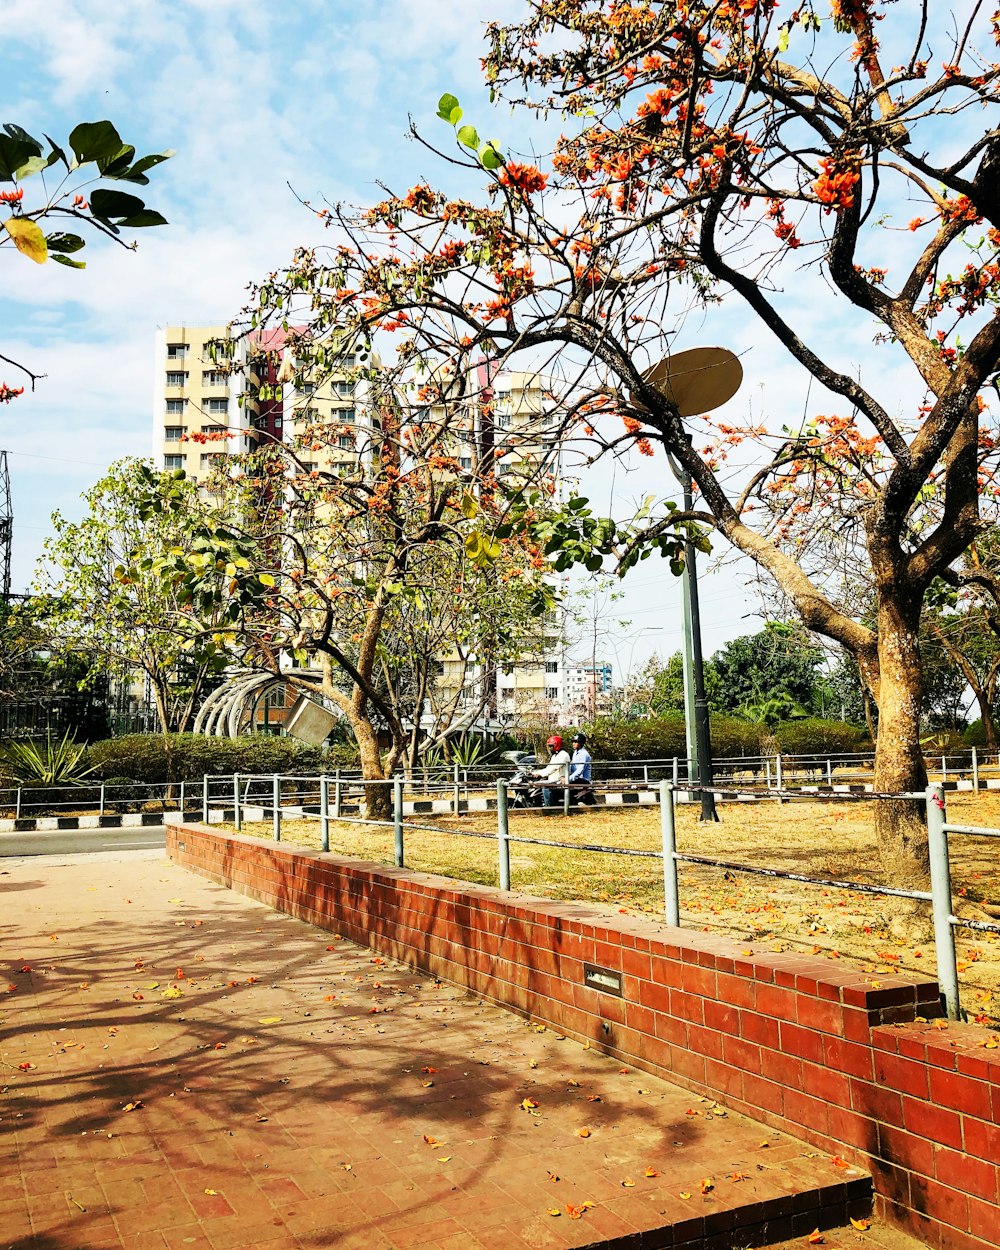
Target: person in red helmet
<point x="555" y="774"/>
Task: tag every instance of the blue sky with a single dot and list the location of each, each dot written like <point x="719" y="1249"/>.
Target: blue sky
<point x="254" y="95"/>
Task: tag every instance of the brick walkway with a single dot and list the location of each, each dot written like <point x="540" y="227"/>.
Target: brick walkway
<point x="183" y="1068"/>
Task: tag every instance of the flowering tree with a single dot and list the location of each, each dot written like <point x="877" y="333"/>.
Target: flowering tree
<point x="725" y="152"/>
<point x="66" y="192"/>
<point x="375" y="567"/>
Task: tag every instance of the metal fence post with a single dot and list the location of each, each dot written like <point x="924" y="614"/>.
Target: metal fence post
<point x="944" y="769"/>
<point x="102" y="798"/>
<point x="324" y="811"/>
<point x="276" y="800"/>
<point x="458" y="791"/>
<point x="397" y="819"/>
<point x="975" y="769"/>
<point x="645" y="775"/>
<point x="829" y="773"/>
<point x="237" y="815"/>
<point x="17" y="809"/>
<point x="182" y="799"/>
<point x="204" y="798"/>
<point x="503" y="834"/>
<point x="671" y="898"/>
<point x="337" y="795"/>
<point x="941" y="901"/>
<point x="777" y="771"/>
<point x="767" y="766"/>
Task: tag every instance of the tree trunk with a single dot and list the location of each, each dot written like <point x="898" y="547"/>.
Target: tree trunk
<point x="378" y="798"/>
<point x="900" y="825"/>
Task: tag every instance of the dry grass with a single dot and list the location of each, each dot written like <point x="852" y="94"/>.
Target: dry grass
<point x="819" y="839"/>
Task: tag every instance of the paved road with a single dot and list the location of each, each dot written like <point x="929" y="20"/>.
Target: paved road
<point x="74" y="841"/>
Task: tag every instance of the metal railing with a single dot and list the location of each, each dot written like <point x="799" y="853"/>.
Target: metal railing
<point x="98" y="798"/>
<point x="330" y="799"/>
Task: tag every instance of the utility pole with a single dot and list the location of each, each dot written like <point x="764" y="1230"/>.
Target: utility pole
<point x="695" y="700"/>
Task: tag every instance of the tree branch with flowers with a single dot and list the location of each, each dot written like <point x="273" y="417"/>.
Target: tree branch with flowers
<point x="67" y="190"/>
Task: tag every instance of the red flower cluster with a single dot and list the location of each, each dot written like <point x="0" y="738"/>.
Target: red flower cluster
<point x="524" y="178"/>
<point x="835" y="187"/>
<point x="12" y="197"/>
<point x="7" y="393"/>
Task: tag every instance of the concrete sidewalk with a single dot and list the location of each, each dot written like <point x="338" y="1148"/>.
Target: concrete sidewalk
<point x="183" y="1068"/>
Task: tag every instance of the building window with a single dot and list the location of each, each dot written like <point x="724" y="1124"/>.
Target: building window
<point x="216" y="405"/>
<point x="465" y="462"/>
<point x="346" y="441"/>
<point x="213" y="429"/>
<point x="552" y="666"/>
<point x="343" y="387"/>
<point x="437" y="668"/>
<point x="347" y="415"/>
<point x="176" y="379"/>
<point x="173" y="433"/>
<point x="177" y="351"/>
<point x="175" y="407"/>
<point x="307" y="388"/>
<point x="552" y="692"/>
<point x="174" y="462"/>
<point x="212" y="377"/>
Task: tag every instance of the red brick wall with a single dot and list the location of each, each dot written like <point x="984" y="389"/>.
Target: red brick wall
<point x="858" y="1066"/>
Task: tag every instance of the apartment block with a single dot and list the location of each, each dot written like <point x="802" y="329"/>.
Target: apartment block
<point x="212" y="404"/>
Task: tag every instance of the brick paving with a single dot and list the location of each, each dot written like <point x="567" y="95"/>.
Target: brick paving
<point x="181" y="1067"/>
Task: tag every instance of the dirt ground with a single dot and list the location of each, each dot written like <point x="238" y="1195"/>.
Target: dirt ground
<point x="830" y="840"/>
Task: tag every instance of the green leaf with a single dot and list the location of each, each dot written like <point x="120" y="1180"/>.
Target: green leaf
<point x="474" y="546"/>
<point x="469" y="506"/>
<point x="118" y="204"/>
<point x="59" y="242"/>
<point x="469" y="136"/>
<point x="446" y="106"/>
<point x="138" y="171"/>
<point x="65" y="260"/>
<point x="490" y="156"/>
<point x="33" y="165"/>
<point x="783" y="39"/>
<point x="13" y="154"/>
<point x="148" y="217"/>
<point x="95" y="141"/>
<point x="114" y="166"/>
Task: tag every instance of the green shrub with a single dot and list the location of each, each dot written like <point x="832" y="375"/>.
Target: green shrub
<point x="187" y="757"/>
<point x="812" y="736"/>
<point x="663" y="737"/>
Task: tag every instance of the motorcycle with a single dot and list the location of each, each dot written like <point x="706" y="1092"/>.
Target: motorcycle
<point x="524" y="789"/>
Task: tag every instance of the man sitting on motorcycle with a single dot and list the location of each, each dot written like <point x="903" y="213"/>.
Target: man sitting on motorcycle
<point x="580" y="770"/>
<point x="554" y="774"/>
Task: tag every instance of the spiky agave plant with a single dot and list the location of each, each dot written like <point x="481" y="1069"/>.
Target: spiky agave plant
<point x="54" y="762"/>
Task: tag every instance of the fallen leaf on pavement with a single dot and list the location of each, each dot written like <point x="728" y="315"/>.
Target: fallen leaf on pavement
<point x="816" y="1238"/>
<point x="583" y="1132"/>
<point x="651" y="1172"/>
<point x="133" y="1106"/>
<point x="861" y="1225"/>
<point x="269" y="1020"/>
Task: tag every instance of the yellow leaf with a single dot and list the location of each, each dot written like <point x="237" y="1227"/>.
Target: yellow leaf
<point x="554" y="1211"/>
<point x="651" y="1172"/>
<point x="816" y="1238"/>
<point x="628" y="1183"/>
<point x="211" y="1192"/>
<point x="444" y="1158"/>
<point x="528" y="1104"/>
<point x="153" y="985"/>
<point x="173" y="992"/>
<point x="861" y="1225"/>
<point x="684" y="1194"/>
<point x="28" y="238"/>
<point x="706" y="1186"/>
<point x="583" y="1132"/>
<point x="269" y="1019"/>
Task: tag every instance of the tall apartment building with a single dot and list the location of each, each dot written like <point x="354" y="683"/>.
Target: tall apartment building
<point x="207" y="408"/>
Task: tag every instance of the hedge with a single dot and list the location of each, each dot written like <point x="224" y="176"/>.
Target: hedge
<point x="187" y="757"/>
<point x="663" y="737"/>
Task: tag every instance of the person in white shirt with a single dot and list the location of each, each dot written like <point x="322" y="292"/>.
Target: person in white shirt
<point x="554" y="774"/>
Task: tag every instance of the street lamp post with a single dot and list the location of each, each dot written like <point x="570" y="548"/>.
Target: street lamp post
<point x="695" y="700"/>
